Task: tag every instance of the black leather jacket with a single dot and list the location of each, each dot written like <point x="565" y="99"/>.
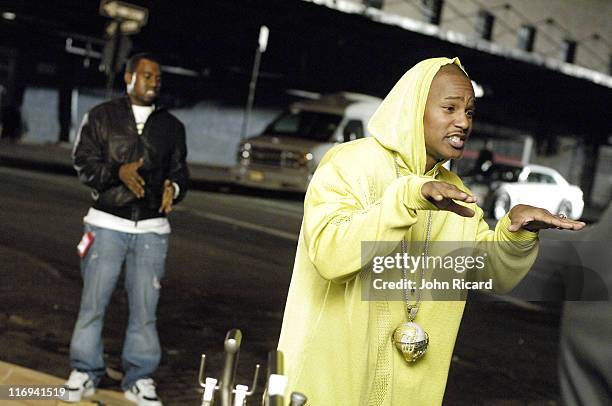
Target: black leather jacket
<point x="108" y="139"/>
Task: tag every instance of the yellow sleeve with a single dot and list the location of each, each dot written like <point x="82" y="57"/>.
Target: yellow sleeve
<point x="338" y="217"/>
<point x="510" y="254"/>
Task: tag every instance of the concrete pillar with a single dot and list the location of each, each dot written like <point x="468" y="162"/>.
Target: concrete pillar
<point x="65" y="79"/>
<point x="19" y="68"/>
<point x="587" y="178"/>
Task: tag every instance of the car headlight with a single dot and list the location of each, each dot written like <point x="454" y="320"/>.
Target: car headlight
<point x="244" y="152"/>
<point x="303" y="159"/>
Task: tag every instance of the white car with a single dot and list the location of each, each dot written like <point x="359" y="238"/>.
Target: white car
<point x="534" y="185"/>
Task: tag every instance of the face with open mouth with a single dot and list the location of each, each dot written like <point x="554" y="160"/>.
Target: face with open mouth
<point x="144" y="83"/>
<point x="448" y="115"/>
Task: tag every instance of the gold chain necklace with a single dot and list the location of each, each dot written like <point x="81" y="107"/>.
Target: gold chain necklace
<point x="409" y="337"/>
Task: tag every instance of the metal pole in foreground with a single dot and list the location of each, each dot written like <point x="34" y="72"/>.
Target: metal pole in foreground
<point x="276" y="382"/>
<point x="232" y="350"/>
<point x="261" y="48"/>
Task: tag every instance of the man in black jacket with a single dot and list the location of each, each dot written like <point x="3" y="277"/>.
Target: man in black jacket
<point x="132" y="154"/>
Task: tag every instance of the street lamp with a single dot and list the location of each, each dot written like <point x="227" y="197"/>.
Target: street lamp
<point x="120" y="10"/>
<point x="9" y="15"/>
<point x="128" y="19"/>
<point x="264" y="33"/>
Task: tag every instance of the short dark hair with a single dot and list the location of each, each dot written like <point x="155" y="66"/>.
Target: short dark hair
<point x="132" y="63"/>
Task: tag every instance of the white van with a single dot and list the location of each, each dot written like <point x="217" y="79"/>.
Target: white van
<point x="288" y="151"/>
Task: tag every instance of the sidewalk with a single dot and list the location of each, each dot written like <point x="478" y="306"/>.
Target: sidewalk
<point x="57" y="156"/>
<point x="11" y="374"/>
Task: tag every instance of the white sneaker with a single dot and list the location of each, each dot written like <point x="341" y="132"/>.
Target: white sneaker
<point x="78" y="386"/>
<point x="143" y="393"/>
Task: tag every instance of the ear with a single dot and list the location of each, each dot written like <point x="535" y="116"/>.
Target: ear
<point x="127" y="77"/>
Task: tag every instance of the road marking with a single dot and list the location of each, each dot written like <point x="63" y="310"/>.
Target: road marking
<point x="294" y="210"/>
<point x="249" y="226"/>
<point x="71" y="182"/>
<point x="297" y="208"/>
<point x="256" y="205"/>
<point x="284" y="211"/>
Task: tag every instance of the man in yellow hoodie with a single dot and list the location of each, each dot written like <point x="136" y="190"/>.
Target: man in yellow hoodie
<point x="391" y="187"/>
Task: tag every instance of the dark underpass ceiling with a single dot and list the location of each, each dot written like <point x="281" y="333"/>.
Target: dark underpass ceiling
<point x="311" y="48"/>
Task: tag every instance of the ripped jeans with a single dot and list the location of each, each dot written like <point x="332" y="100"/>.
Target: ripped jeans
<point x="144" y="256"/>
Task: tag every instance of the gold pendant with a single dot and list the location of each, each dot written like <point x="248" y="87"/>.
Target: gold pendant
<point x="411" y="340"/>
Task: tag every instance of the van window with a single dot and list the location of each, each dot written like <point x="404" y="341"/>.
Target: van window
<point x="305" y="124"/>
<point x="353" y="130"/>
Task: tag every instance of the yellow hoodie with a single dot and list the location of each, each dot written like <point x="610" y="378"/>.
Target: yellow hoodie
<point x="338" y="348"/>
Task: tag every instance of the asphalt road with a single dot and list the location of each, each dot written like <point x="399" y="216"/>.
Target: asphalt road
<point x="229" y="266"/>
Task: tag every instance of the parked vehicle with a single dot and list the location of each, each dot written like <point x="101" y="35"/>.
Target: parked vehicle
<point x="288" y="151"/>
<point x="503" y="186"/>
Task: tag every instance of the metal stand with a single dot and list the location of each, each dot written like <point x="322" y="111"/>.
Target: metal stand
<point x="276" y="385"/>
<point x="230" y="396"/>
<point x="276" y="382"/>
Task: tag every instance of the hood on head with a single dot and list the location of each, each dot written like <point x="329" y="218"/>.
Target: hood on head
<point x="398" y="122"/>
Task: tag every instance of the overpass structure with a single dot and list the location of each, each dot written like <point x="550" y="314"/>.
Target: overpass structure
<point x="314" y="45"/>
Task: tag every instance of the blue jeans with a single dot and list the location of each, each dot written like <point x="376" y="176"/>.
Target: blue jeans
<point x="144" y="256"/>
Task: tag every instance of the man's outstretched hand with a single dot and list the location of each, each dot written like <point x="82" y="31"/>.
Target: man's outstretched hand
<point x="128" y="173"/>
<point x="443" y="196"/>
<point x="533" y="219"/>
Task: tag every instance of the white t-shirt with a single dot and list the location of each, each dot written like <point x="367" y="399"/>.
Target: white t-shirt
<point x="141" y="113"/>
<point x="98" y="218"/>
